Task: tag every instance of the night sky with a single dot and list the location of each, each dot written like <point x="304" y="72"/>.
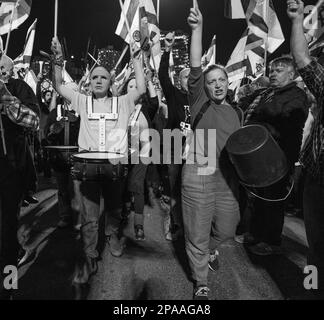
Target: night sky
<point x="98" y="19"/>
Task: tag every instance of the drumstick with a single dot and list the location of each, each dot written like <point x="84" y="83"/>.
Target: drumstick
<point x="55" y="18"/>
<point x="2" y="136"/>
<point x="91" y="56"/>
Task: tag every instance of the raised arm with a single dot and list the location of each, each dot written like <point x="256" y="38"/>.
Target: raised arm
<point x="195" y="21"/>
<point x="139" y="73"/>
<point x="65" y="92"/>
<point x="298" y="43"/>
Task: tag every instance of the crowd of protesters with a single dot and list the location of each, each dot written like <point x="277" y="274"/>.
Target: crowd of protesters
<point x="203" y="204"/>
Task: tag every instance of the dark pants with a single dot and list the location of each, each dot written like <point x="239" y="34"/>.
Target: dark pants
<point x="136" y="183"/>
<point x="11" y="193"/>
<point x="267" y="218"/>
<point x="314" y="224"/>
<point x="65" y="193"/>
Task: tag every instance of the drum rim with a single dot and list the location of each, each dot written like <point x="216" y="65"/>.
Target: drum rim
<point x="61" y="147"/>
<point x="98" y="161"/>
<point x="268" y="135"/>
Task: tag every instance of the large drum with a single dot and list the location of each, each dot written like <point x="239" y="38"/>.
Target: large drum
<point x="257" y="158"/>
<point x="99" y="166"/>
<point x="60" y="156"/>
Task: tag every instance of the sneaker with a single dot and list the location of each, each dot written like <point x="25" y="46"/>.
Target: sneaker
<point x="201" y="293"/>
<point x="245" y="238"/>
<point x="264" y="249"/>
<point x="213" y="262"/>
<point x="115" y="246"/>
<point x="139" y="232"/>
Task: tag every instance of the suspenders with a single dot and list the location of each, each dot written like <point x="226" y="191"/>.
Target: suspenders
<point x="102" y="117"/>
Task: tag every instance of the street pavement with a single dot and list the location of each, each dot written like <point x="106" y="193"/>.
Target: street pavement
<point x="154" y="269"/>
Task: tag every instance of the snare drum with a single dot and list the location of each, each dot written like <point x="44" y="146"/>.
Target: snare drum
<point x="98" y="166"/>
<point x="60" y="156"/>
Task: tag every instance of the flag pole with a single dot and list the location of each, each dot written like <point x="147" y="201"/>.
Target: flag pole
<point x="55" y="18"/>
<point x="93" y="58"/>
<point x="10" y="27"/>
<point x="121" y="57"/>
<point x="158" y="10"/>
<point x="267" y="37"/>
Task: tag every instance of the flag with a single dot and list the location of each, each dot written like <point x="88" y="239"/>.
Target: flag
<point x="210" y="56"/>
<point x="121" y="77"/>
<point x="314" y="28"/>
<point x="31" y="79"/>
<point x="234" y="9"/>
<point x="144" y="29"/>
<point x="261" y="19"/>
<point x="23" y="60"/>
<point x="247" y="58"/>
<point x="171" y="67"/>
<point x="21" y="13"/>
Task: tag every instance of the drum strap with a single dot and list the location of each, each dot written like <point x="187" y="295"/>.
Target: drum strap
<point x="102" y="117"/>
<point x="135" y="115"/>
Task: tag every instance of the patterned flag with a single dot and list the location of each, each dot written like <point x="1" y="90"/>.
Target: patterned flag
<point x="21" y="13"/>
<point x="247" y="58"/>
<point x="210" y="56"/>
<point x="23" y="60"/>
<point x="314" y="28"/>
<point x="262" y="20"/>
<point x="31" y="79"/>
<point x="263" y="30"/>
<point x="144" y="29"/>
<point x="234" y="9"/>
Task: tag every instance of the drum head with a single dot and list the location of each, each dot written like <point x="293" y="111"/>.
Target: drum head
<point x="98" y="157"/>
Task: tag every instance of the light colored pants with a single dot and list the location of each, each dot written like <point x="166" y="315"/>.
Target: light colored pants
<point x="210" y="215"/>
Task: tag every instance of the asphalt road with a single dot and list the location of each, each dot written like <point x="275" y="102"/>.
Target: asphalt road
<point x="154" y="269"/>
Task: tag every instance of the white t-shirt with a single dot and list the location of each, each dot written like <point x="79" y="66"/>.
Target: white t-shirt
<point x="116" y="130"/>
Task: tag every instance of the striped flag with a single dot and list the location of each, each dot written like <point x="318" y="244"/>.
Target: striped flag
<point x="247" y="58"/>
<point x="23" y="60"/>
<point x="263" y="32"/>
<point x="121" y="77"/>
<point x="31" y="79"/>
<point x="234" y="9"/>
<point x="314" y="28"/>
<point x="144" y="29"/>
<point x="262" y="20"/>
<point x="210" y="56"/>
<point x="21" y="13"/>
